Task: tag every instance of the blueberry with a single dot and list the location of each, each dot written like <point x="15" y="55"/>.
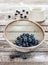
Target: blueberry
<point x="12" y="56"/>
<point x="26" y="12"/>
<point x="23" y="10"/>
<point x="18" y="11"/>
<point x="16" y="14"/>
<point x="23" y="34"/>
<point x="30" y="44"/>
<point x="9" y="16"/>
<point x="17" y="54"/>
<point x="27" y="44"/>
<point x="25" y="39"/>
<point x="24" y="56"/>
<point x="27" y="34"/>
<point x="18" y="38"/>
<point x="33" y="41"/>
<point x="36" y="42"/>
<point x="32" y="36"/>
<point x="23" y="44"/>
<point x="21" y="16"/>
<point x="18" y="43"/>
<point x="29" y="40"/>
<point x="25" y="16"/>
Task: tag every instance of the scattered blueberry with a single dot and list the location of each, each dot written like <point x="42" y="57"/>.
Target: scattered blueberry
<point x="12" y="56"/>
<point x="23" y="10"/>
<point x="26" y="40"/>
<point x="17" y="54"/>
<point x="25" y="16"/>
<point x="9" y="16"/>
<point x="21" y="16"/>
<point x="24" y="56"/>
<point x="17" y="11"/>
<point x="16" y="14"/>
<point x="26" y="12"/>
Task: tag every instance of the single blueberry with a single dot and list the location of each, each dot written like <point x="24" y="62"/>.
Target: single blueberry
<point x="21" y="36"/>
<point x="29" y="40"/>
<point x="21" y="40"/>
<point x="12" y="56"/>
<point x="21" y="16"/>
<point x="18" y="38"/>
<point x="27" y="44"/>
<point x="23" y="44"/>
<point x="25" y="39"/>
<point x="33" y="41"/>
<point x="30" y="44"/>
<point x="18" y="43"/>
<point x="24" y="56"/>
<point x="16" y="14"/>
<point x="9" y="16"/>
<point x="27" y="34"/>
<point x="36" y="42"/>
<point x="27" y="12"/>
<point x="24" y="34"/>
<point x="18" y="11"/>
<point x="25" y="16"/>
<point x="17" y="54"/>
<point x="32" y="36"/>
<point x="23" y="10"/>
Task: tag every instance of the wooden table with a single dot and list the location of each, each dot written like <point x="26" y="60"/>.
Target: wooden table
<point x="39" y="56"/>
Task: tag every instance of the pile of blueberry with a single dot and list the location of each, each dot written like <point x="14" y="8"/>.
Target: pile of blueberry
<point x="26" y="40"/>
<point x="20" y="55"/>
<point x="20" y="14"/>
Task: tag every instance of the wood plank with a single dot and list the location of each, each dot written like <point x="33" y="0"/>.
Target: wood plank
<point x="34" y="57"/>
<point x="23" y="63"/>
<point x="5" y="22"/>
<point x="45" y="28"/>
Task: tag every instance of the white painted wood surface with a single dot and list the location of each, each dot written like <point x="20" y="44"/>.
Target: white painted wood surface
<point x="25" y="1"/>
<point x="38" y="57"/>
